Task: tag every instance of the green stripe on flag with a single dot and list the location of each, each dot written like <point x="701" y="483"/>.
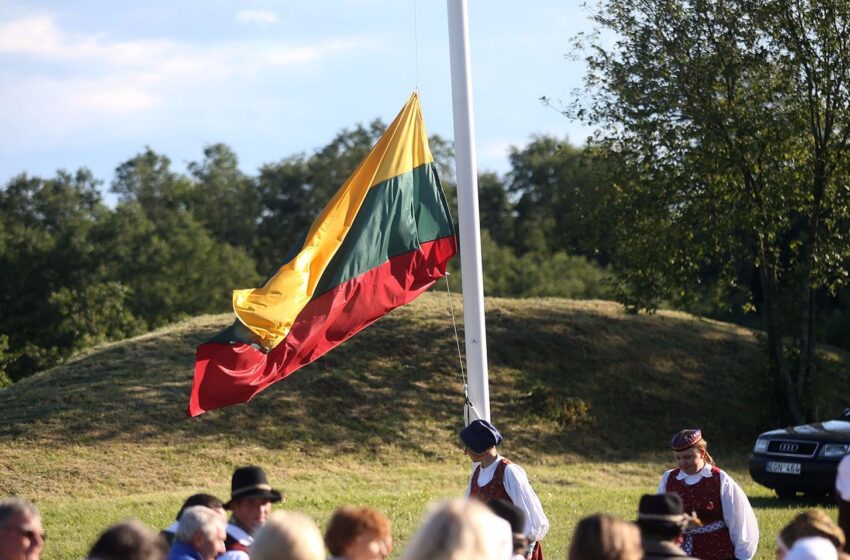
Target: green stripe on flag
<point x="396" y="217"/>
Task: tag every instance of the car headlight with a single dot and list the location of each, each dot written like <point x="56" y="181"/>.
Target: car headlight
<point x="761" y="445"/>
<point x="835" y="450"/>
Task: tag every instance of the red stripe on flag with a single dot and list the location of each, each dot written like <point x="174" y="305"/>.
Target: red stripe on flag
<point x="227" y="374"/>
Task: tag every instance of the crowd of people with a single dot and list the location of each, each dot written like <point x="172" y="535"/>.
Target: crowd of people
<point x="698" y="511"/>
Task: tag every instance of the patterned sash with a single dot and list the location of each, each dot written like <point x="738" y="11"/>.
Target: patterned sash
<point x="688" y="544"/>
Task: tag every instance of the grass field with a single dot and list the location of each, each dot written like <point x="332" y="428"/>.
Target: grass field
<point x="587" y="397"/>
<point x="402" y="489"/>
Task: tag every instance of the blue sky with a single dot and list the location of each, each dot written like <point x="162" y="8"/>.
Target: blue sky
<point x="92" y="82"/>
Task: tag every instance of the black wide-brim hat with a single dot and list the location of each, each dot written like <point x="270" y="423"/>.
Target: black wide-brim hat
<point x="663" y="511"/>
<point x="251" y="482"/>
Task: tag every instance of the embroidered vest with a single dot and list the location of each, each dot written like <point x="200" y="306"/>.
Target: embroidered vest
<point x="704" y="498"/>
<point x="495" y="490"/>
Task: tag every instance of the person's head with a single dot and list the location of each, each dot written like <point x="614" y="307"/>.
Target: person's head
<point x="605" y="537"/>
<point x="206" y="500"/>
<point x="516" y="518"/>
<point x="810" y="523"/>
<point x="288" y="536"/>
<point x="359" y="533"/>
<point x="129" y="540"/>
<point x="21" y="535"/>
<point x="661" y="517"/>
<point x="479" y="439"/>
<point x="251" y="497"/>
<point x="461" y="529"/>
<point x="690" y="451"/>
<point x="203" y="529"/>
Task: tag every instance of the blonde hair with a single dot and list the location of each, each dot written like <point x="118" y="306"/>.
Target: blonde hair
<point x="605" y="537"/>
<point x="288" y="536"/>
<point x="812" y="523"/>
<point x="461" y="530"/>
<point x="703" y="445"/>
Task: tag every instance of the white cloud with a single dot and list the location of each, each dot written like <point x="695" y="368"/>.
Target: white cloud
<point x="40" y="37"/>
<point x="112" y="99"/>
<point x="93" y="77"/>
<point x="259" y="17"/>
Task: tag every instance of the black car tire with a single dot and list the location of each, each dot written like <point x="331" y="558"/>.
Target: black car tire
<point x="815" y="496"/>
<point x="786" y="493"/>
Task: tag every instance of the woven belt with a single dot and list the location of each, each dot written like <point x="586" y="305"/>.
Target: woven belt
<point x="688" y="543"/>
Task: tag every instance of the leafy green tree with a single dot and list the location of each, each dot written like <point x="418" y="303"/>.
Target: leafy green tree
<point x="726" y="127"/>
<point x="555" y="190"/>
<point x="541" y="274"/>
<point x="147" y="178"/>
<point x="44" y="246"/>
<point x="224" y="199"/>
<point x="172" y="267"/>
<point x="6" y="358"/>
<point x="94" y="313"/>
<point x="495" y="209"/>
<point x="174" y="263"/>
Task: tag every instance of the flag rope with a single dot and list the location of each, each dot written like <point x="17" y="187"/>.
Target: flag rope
<point x="416" y="42"/>
<point x="469" y="412"/>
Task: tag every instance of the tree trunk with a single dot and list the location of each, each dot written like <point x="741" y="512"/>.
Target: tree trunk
<point x="807" y="363"/>
<point x="776" y="354"/>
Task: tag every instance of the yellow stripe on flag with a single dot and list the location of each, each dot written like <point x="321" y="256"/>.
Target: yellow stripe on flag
<point x="270" y="311"/>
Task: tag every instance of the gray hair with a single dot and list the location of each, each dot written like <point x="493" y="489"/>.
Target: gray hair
<point x="12" y="506"/>
<point x="198" y="518"/>
<point x="461" y="529"/>
<point x="288" y="536"/>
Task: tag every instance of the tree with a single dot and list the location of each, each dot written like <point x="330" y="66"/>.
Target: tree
<point x="94" y="313"/>
<point x="554" y="190"/>
<point x="495" y="210"/>
<point x="727" y="125"/>
<point x="147" y="178"/>
<point x="44" y="246"/>
<point x="167" y="268"/>
<point x="224" y="199"/>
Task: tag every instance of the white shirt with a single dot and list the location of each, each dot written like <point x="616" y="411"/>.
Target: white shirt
<point x="243" y="538"/>
<point x="521" y="494"/>
<point x="813" y="548"/>
<point x="842" y="479"/>
<point x="737" y="513"/>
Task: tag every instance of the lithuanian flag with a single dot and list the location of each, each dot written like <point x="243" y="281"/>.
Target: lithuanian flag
<point x="384" y="238"/>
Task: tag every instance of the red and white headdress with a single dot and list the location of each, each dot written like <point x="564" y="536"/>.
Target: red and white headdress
<point x="686" y="439"/>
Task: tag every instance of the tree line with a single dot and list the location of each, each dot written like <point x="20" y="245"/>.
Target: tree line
<point x="76" y="271"/>
<point x="717" y="181"/>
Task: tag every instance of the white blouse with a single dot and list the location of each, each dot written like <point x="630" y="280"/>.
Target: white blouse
<point x="521" y="494"/>
<point x="842" y="480"/>
<point x="737" y="513"/>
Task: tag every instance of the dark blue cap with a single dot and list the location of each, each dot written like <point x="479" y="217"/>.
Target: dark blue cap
<point x="480" y="436"/>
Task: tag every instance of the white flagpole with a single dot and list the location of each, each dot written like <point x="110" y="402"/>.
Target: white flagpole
<point x="467" y="201"/>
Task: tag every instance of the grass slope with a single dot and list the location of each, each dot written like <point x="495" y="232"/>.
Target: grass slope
<point x="587" y="397"/>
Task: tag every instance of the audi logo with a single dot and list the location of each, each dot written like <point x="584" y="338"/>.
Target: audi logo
<point x="788" y="447"/>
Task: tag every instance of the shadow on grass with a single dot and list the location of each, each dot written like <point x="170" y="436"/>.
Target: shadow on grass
<point x="564" y="379"/>
<point x="798" y="503"/>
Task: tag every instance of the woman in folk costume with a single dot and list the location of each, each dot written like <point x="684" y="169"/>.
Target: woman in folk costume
<point x="494" y="477"/>
<point x="729" y="529"/>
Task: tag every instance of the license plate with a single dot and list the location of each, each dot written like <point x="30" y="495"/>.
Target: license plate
<point x="782" y="468"/>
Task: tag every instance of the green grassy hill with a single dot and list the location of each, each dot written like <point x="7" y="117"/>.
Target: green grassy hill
<point x="586" y="395"/>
